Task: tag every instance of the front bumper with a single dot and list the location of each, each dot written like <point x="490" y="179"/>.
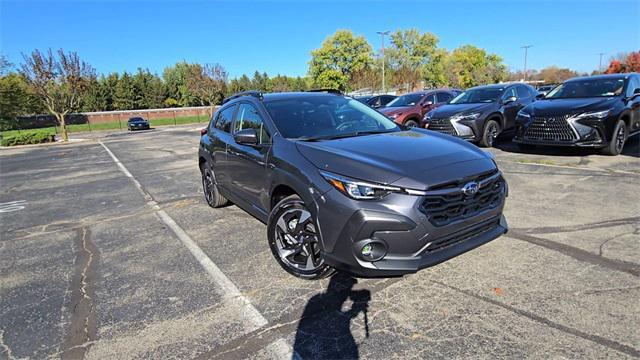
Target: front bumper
<point x="591" y="134"/>
<point x="410" y="241"/>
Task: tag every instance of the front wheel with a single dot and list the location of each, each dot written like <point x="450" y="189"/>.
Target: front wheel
<point x="490" y="133"/>
<point x="410" y="123"/>
<point x="295" y="240"/>
<point x="617" y="140"/>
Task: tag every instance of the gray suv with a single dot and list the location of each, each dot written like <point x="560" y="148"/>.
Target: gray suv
<point x="322" y="171"/>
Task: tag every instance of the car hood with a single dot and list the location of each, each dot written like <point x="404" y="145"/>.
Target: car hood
<point x="395" y="110"/>
<point x="448" y="110"/>
<point x="413" y="159"/>
<point x="569" y="106"/>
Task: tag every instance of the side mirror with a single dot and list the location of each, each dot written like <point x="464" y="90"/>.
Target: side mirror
<point x="203" y="131"/>
<point x="509" y="100"/>
<point x="427" y="103"/>
<point x="246" y="137"/>
<point x="540" y="96"/>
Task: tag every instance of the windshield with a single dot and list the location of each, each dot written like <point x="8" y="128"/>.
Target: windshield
<point x="406" y="100"/>
<point x="136" y="119"/>
<point x="326" y="117"/>
<point x="588" y="88"/>
<point x="487" y="95"/>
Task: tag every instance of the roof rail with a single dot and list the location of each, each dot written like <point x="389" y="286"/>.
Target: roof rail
<point x="254" y="93"/>
<point x="330" y="91"/>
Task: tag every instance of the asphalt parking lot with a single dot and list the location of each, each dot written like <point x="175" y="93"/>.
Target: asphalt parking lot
<point x="98" y="263"/>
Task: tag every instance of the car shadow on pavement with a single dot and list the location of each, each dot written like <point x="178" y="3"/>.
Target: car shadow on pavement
<point x="631" y="148"/>
<point x="324" y="330"/>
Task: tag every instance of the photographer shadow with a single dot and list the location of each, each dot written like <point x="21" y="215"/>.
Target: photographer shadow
<point x="324" y="330"/>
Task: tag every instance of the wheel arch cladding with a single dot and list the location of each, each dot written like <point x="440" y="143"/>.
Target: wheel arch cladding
<point x="280" y="192"/>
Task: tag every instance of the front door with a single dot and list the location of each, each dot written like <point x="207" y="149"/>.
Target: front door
<point x="248" y="163"/>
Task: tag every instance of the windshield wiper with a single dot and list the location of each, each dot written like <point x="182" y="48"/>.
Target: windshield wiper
<point x="346" y="135"/>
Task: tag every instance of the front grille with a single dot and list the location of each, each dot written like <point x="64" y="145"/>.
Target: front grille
<point x="550" y="129"/>
<point x="462" y="236"/>
<point x="448" y="204"/>
<point x="443" y="126"/>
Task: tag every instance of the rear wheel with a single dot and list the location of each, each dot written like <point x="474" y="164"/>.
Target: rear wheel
<point x="617" y="140"/>
<point x="295" y="240"/>
<point x="211" y="193"/>
<point x="490" y="133"/>
<point x="411" y="123"/>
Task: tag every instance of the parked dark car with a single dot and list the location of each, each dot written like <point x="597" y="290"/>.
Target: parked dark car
<point x="408" y="109"/>
<point x="322" y="171"/>
<point x="544" y="89"/>
<point x="376" y="101"/>
<point x="596" y="111"/>
<point x="137" y="123"/>
<point x="481" y="113"/>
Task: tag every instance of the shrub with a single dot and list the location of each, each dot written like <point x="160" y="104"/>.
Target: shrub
<point x="24" y="138"/>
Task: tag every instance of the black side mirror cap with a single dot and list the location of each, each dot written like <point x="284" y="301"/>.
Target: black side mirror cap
<point x="540" y="96"/>
<point x="246" y="137"/>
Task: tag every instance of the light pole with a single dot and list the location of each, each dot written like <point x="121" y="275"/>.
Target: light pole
<point x="526" y="48"/>
<point x="383" y="34"/>
<point x="600" y="64"/>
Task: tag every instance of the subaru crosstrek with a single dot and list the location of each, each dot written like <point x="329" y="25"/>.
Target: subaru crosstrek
<point x="482" y="113"/>
<point x="596" y="111"/>
<point x="321" y="170"/>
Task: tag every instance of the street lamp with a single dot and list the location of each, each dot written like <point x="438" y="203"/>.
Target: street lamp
<point x="526" y="48"/>
<point x="383" y="34"/>
<point x="600" y="64"/>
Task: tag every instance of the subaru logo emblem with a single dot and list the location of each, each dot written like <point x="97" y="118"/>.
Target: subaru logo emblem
<point x="470" y="189"/>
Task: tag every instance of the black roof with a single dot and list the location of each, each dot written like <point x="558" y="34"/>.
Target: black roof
<point x="602" y="76"/>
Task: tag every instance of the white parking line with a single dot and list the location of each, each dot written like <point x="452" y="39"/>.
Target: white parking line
<point x="227" y="288"/>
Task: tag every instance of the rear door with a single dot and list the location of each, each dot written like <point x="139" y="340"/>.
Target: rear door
<point x="219" y="136"/>
<point x="248" y="163"/>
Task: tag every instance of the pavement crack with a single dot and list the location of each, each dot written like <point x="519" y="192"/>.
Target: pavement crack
<point x="601" y="248"/>
<point x="579" y="254"/>
<point x="581" y="227"/>
<point x="6" y="350"/>
<point x="82" y="328"/>
<point x="612" y="344"/>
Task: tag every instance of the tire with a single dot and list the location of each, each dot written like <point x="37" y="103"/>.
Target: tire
<point x="295" y="241"/>
<point x="618" y="139"/>
<point x="210" y="190"/>
<point x="489" y="133"/>
<point x="411" y="123"/>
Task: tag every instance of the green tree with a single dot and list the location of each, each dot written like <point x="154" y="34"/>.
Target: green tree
<point x="16" y="99"/>
<point x="435" y="70"/>
<point x="124" y="96"/>
<point x="469" y="66"/>
<point x="59" y="80"/>
<point x="259" y="82"/>
<point x="175" y="78"/>
<point x="341" y="55"/>
<point x="409" y="55"/>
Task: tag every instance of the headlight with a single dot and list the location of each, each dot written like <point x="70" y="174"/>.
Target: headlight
<point x="595" y="114"/>
<point x="460" y="117"/>
<point x="523" y="114"/>
<point x="427" y="116"/>
<point x="357" y="189"/>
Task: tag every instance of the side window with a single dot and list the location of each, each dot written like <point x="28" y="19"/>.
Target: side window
<point x="533" y="91"/>
<point x="249" y="118"/>
<point x="634" y="83"/>
<point x="225" y="117"/>
<point x="523" y="92"/>
<point x="444" y="97"/>
<point x="509" y="93"/>
<point x="212" y="123"/>
<point x="431" y="98"/>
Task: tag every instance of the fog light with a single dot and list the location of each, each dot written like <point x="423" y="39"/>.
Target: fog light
<point x="366" y="250"/>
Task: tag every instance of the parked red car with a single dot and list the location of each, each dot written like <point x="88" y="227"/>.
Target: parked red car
<point x="409" y="109"/>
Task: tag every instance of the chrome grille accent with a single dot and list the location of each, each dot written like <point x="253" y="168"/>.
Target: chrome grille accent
<point x="550" y="129"/>
<point x="443" y="126"/>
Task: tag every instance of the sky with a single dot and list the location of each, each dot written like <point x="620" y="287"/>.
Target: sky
<point x="278" y="36"/>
